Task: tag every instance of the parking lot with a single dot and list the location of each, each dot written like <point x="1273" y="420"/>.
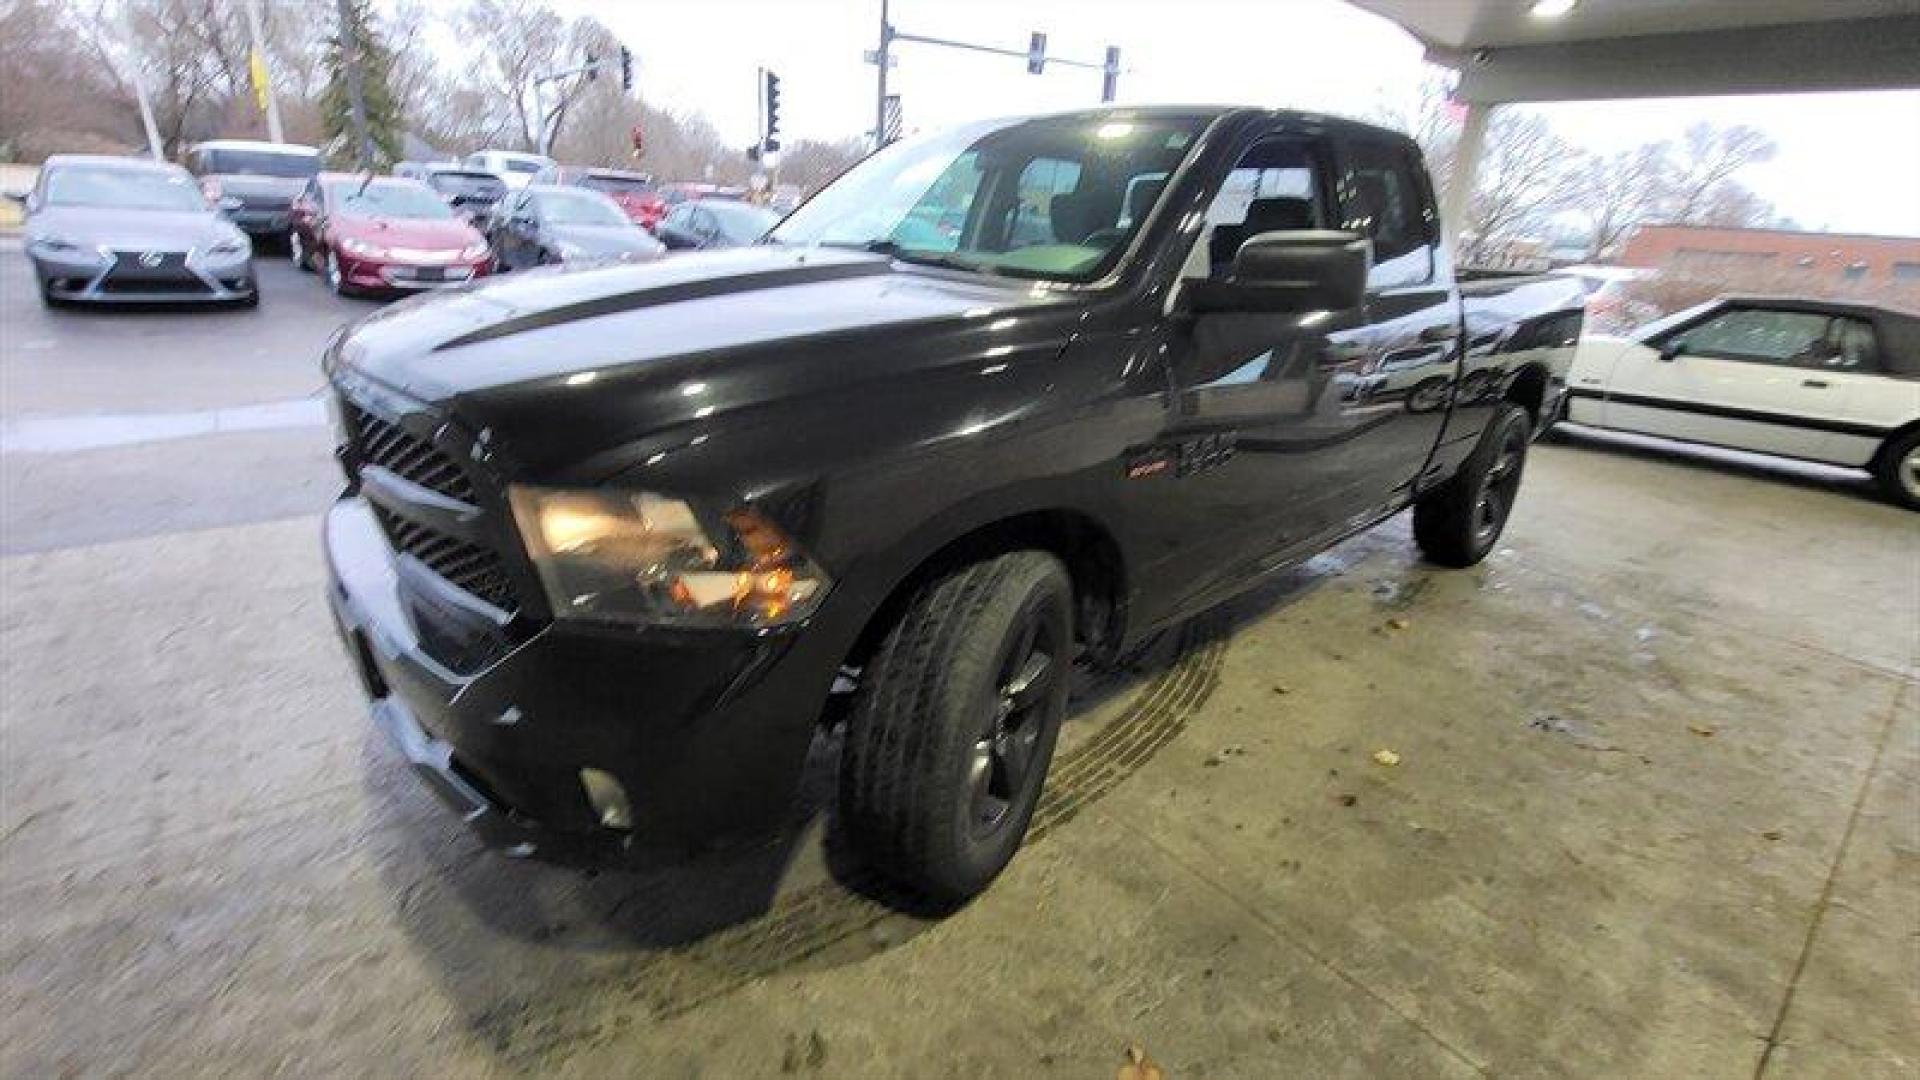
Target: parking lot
<point x="1656" y="808"/>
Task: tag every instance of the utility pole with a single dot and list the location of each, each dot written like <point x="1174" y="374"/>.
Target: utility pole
<point x="881" y="58"/>
<point x="356" y="92"/>
<point x="146" y="114"/>
<point x="263" y="79"/>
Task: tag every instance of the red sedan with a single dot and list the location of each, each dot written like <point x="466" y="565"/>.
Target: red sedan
<point x="383" y="234"/>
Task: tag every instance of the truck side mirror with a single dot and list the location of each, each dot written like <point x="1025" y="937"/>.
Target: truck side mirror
<point x="1295" y="270"/>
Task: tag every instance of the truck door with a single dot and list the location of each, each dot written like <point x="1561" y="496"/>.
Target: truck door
<point x="1410" y="344"/>
<point x="1260" y="408"/>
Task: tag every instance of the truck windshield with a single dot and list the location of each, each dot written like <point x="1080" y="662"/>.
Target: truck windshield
<point x="1056" y="198"/>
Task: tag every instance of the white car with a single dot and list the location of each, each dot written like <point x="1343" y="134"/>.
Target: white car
<point x="1811" y="379"/>
<point x="515" y="168"/>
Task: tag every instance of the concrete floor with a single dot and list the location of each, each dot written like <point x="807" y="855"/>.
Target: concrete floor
<point x="1657" y="813"/>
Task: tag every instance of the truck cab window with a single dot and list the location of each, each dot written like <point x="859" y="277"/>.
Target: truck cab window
<point x="1273" y="188"/>
<point x="1379" y="198"/>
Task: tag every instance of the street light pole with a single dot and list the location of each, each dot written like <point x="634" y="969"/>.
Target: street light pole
<point x="259" y="70"/>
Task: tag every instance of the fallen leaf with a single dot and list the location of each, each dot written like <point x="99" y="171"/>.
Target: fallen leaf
<point x="1139" y="1066"/>
<point x="1349" y="800"/>
<point x="1282" y="688"/>
<point x="1772" y="834"/>
<point x="1386" y="757"/>
<point x="1397" y="623"/>
<point x="1703" y="732"/>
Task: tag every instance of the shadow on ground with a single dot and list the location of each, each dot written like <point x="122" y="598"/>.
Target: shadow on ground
<point x="544" y="958"/>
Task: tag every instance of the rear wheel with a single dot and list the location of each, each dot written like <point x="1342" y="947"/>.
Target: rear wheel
<point x="1457" y="523"/>
<point x="954" y="725"/>
<point x="1898" y="469"/>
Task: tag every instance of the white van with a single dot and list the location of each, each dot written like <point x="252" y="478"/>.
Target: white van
<point x="514" y="167"/>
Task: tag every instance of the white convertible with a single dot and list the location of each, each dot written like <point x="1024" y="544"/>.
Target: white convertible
<point x="1810" y="379"/>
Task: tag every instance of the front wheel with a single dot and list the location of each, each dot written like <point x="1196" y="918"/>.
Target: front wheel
<point x="1898" y="469"/>
<point x="1457" y="523"/>
<point x="297" y="252"/>
<point x="954" y="725"/>
<point x="336" y="278"/>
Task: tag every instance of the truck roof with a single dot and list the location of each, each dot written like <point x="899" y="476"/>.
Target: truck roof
<point x="256" y="146"/>
<point x="1215" y="112"/>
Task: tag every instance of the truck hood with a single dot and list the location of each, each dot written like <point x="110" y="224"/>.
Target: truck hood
<point x="574" y="360"/>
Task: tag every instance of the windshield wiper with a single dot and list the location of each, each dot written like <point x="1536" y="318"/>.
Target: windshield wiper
<point x="918" y="256"/>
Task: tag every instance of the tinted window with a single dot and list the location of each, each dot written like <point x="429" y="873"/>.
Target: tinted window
<point x="1380" y="197"/>
<point x="741" y="223"/>
<point x="258" y="163"/>
<point x="616" y="185"/>
<point x="1273" y="188"/>
<point x="521" y="166"/>
<point x="1754" y="334"/>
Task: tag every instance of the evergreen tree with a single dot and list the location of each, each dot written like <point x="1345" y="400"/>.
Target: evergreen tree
<point x="384" y="122"/>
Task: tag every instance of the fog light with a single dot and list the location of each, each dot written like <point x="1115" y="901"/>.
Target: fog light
<point x="608" y="798"/>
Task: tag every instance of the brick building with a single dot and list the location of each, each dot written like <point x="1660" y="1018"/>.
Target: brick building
<point x="1826" y="258"/>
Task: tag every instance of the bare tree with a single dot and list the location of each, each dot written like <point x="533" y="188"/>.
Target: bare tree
<point x="1709" y="158"/>
<point x="1526" y="172"/>
<point x="519" y="40"/>
<point x="1620" y="191"/>
<point x="810" y="163"/>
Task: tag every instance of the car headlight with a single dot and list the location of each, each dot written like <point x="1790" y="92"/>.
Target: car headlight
<point x="353" y="246"/>
<point x="477" y="251"/>
<point x="237" y="244"/>
<point x="638" y="557"/>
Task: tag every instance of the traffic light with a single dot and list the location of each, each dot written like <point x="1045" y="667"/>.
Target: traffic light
<point x="772" y="134"/>
<point x="626" y="68"/>
<point x="1036" y="53"/>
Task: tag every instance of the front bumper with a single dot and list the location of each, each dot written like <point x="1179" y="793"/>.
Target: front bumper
<point x="393" y="276"/>
<point x="262" y="222"/>
<point x="105" y="277"/>
<point x="707" y="733"/>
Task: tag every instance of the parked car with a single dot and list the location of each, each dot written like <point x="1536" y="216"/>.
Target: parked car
<point x="383" y="234"/>
<point x="105" y="230"/>
<point x="1817" y="380"/>
<point x="542" y="225"/>
<point x="1611" y="306"/>
<point x="515" y="168"/>
<point x="254" y="183"/>
<point x="702" y="224"/>
<point x="677" y="193"/>
<point x="655" y="515"/>
<point x="634" y="193"/>
<point x="471" y="192"/>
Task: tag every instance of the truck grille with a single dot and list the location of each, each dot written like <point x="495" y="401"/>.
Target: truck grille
<point x="387" y="446"/>
<point x="477" y="569"/>
<point x="473" y="568"/>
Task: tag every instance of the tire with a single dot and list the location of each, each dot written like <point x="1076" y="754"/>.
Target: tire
<point x="1897" y="467"/>
<point x="1458" y="523"/>
<point x="336" y="280"/>
<point x="954" y="724"/>
<point x="297" y="252"/>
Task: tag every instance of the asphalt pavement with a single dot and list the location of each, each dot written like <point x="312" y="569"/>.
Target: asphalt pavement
<point x="120" y="424"/>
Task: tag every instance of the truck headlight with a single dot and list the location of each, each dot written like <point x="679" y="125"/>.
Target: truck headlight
<point x="638" y="557"/>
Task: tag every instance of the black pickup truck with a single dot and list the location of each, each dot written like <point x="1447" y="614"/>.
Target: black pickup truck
<point x="997" y="401"/>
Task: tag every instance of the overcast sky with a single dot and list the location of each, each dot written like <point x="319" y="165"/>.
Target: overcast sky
<point x="1848" y="162"/>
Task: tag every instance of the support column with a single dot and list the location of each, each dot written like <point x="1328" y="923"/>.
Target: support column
<point x="1466" y="165"/>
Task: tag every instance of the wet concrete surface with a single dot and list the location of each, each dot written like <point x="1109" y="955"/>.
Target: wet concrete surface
<point x="1656" y="812"/>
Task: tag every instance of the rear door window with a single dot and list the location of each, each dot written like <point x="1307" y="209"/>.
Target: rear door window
<point x="1381" y="197"/>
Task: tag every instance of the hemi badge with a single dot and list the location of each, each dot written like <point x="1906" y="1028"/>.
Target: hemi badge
<point x="1150" y="463"/>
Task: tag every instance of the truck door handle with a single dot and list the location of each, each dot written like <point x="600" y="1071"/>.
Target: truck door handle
<point x="1439" y="333"/>
<point x="1817" y="384"/>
